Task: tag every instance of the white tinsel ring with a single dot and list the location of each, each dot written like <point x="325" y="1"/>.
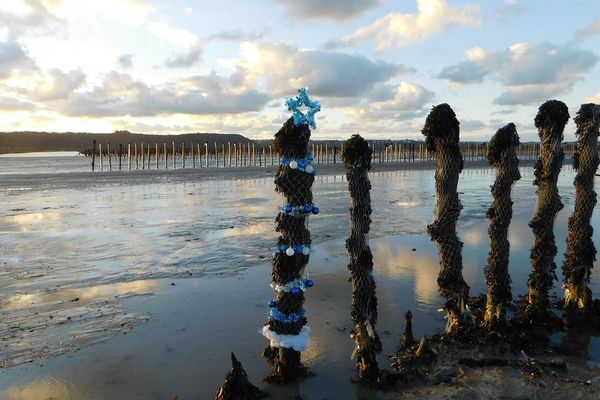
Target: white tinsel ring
<point x="297" y="342"/>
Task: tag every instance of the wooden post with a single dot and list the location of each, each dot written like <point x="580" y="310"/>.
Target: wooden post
<point x="135" y="156"/>
<point x="142" y="155"/>
<point x="182" y="154"/>
<point x="229" y="152"/>
<point x="206" y="152"/>
<point x="109" y="158"/>
<point x="120" y="154"/>
<point x="165" y="156"/>
<point x="271" y="154"/>
<point x="156" y="153"/>
<point x="174" y="155"/>
<point x="94" y="155"/>
<point x="148" y="152"/>
<point x="199" y="155"/>
<point x="235" y="154"/>
<point x="100" y="155"/>
<point x="129" y="156"/>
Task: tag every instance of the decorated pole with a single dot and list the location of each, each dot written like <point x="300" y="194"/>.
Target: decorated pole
<point x="581" y="252"/>
<point x="550" y="120"/>
<point x="442" y="137"/>
<point x="286" y="329"/>
<point x="502" y="154"/>
<point x="356" y="156"/>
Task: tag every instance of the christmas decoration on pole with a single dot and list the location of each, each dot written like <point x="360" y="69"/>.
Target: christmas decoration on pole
<point x="581" y="252"/>
<point x="441" y="131"/>
<point x="286" y="329"/>
<point x="356" y="155"/>
<point x="550" y="120"/>
<point x="502" y="154"/>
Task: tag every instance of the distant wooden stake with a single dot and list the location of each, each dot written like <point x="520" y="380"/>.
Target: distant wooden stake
<point x="156" y="153"/>
<point x="174" y="155"/>
<point x="120" y="154"/>
<point x="100" y="155"/>
<point x="229" y="152"/>
<point x="129" y="156"/>
<point x="183" y="154"/>
<point x="206" y="152"/>
<point x="93" y="155"/>
<point x="109" y="158"/>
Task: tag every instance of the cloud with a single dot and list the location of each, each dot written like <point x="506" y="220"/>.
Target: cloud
<point x="187" y="59"/>
<point x="472" y="125"/>
<point x="529" y="73"/>
<point x="120" y="95"/>
<point x="54" y="84"/>
<point x="409" y="101"/>
<point x="22" y="17"/>
<point x="10" y="103"/>
<point x="508" y="10"/>
<point x="238" y="35"/>
<point x="337" y="10"/>
<point x="594" y="99"/>
<point x="591" y="29"/>
<point x="399" y="30"/>
<point x="285" y="68"/>
<point x="14" y="56"/>
<point x="127" y="12"/>
<point x="125" y="60"/>
<point x="172" y="36"/>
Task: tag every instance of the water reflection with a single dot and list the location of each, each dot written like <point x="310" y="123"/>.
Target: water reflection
<point x="46" y="388"/>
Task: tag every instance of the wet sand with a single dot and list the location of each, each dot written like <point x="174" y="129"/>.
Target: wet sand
<point x="138" y="285"/>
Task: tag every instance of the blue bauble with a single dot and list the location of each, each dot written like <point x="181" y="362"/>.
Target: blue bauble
<point x="296" y="290"/>
<point x="272" y="303"/>
<point x="315" y="210"/>
<point x="308" y="208"/>
<point x="309" y="283"/>
<point x="288" y="208"/>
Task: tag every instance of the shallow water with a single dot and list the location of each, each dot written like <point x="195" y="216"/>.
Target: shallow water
<point x="101" y="259"/>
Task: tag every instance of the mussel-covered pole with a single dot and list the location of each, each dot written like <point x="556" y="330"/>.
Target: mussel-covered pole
<point x="581" y="253"/>
<point x="286" y="329"/>
<point x="550" y="120"/>
<point x="237" y="386"/>
<point x="502" y="155"/>
<point x="356" y="156"/>
<point x="442" y="135"/>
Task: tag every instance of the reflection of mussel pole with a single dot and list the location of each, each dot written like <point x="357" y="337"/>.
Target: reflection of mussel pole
<point x="550" y="120"/>
<point x="283" y="353"/>
<point x="581" y="253"/>
<point x="356" y="156"/>
<point x="442" y="135"/>
<point x="502" y="155"/>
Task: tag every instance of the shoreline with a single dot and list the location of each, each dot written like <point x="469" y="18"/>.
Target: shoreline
<point x="141" y="177"/>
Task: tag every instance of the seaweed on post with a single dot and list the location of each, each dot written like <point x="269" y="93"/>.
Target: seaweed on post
<point x="442" y="137"/>
<point x="286" y="329"/>
<point x="356" y="155"/>
<point x="502" y="155"/>
<point x="581" y="252"/>
<point x="550" y="120"/>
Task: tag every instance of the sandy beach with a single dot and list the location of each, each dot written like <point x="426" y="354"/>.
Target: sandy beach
<point x="138" y="285"/>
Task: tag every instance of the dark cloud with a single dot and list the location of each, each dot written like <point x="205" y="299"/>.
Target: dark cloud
<point x="472" y="125"/>
<point x="187" y="59"/>
<point x="529" y="73"/>
<point x="120" y="95"/>
<point x="337" y="10"/>
<point x="125" y="60"/>
<point x="14" y="56"/>
<point x="13" y="104"/>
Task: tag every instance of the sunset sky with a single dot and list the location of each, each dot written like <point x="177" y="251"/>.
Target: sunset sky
<point x="377" y="66"/>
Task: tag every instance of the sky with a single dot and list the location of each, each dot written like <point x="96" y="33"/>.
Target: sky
<point x="227" y="66"/>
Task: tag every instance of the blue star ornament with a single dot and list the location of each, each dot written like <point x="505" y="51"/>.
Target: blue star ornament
<point x="303" y="99"/>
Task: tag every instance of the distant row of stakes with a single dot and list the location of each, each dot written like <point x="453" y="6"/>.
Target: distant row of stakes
<point x="286" y="329"/>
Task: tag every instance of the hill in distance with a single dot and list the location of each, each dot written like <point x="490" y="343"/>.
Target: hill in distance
<point x="24" y="142"/>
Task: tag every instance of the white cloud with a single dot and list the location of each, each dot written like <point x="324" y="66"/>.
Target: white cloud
<point x="591" y="29"/>
<point x="56" y="85"/>
<point x="399" y="30"/>
<point x="529" y="73"/>
<point x="409" y="101"/>
<point x="284" y="68"/>
<point x="594" y="99"/>
<point x="20" y="17"/>
<point x="338" y="10"/>
<point x="121" y="94"/>
<point x="127" y="12"/>
<point x="173" y="36"/>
